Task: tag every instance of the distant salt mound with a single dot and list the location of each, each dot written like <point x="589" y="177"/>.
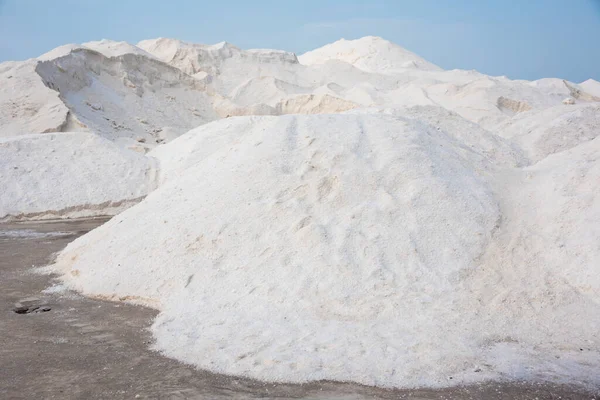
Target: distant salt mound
<point x="70" y="175"/>
<point x="108" y="48"/>
<point x="369" y="53"/>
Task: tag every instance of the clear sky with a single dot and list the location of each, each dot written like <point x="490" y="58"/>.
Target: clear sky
<point x="525" y="39"/>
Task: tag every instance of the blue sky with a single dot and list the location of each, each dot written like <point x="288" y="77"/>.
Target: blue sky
<point x="525" y="39"/>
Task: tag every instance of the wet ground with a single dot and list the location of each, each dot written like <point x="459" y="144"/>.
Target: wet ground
<point x="64" y="346"/>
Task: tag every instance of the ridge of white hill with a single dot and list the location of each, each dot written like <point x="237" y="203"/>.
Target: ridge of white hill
<point x="193" y="58"/>
<point x="115" y="90"/>
<point x="59" y="51"/>
<point x="369" y="53"/>
<point x="70" y="175"/>
<point x="111" y="48"/>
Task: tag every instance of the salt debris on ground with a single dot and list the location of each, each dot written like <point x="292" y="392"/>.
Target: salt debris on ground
<point x="427" y="224"/>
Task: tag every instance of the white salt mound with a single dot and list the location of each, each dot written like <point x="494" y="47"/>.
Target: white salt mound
<point x="358" y="248"/>
<point x="60" y="175"/>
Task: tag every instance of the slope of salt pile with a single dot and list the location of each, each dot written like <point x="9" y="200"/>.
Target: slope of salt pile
<point x="71" y="175"/>
<point x="26" y="104"/>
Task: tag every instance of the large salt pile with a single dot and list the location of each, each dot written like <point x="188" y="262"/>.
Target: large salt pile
<point x="343" y="247"/>
<point x="75" y="174"/>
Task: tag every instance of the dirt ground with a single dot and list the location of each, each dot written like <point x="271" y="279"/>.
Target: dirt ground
<point x="65" y="346"/>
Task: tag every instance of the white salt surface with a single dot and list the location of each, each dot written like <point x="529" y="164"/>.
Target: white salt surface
<point x="57" y="175"/>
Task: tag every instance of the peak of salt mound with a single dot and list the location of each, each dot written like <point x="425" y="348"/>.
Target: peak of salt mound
<point x="369" y="53"/>
<point x="591" y="86"/>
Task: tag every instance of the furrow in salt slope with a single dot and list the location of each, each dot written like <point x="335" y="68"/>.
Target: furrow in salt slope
<point x="70" y="175"/>
<point x="304" y="247"/>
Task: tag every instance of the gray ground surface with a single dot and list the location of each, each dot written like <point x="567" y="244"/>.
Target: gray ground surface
<point x="90" y="349"/>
